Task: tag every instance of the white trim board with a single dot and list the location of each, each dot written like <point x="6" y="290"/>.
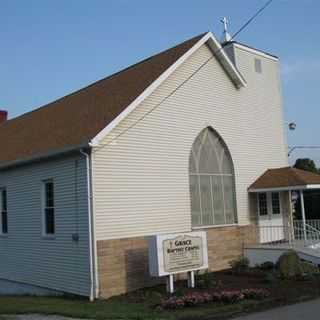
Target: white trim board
<point x="290" y="188"/>
<point x="217" y="50"/>
<point x="252" y="50"/>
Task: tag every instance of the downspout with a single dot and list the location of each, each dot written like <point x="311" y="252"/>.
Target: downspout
<point x="90" y="226"/>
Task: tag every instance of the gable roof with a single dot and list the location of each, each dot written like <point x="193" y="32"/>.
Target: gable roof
<point x="286" y="178"/>
<point x="80" y="117"/>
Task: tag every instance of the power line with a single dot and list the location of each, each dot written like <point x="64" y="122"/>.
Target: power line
<point x="252" y="18"/>
<point x="291" y="149"/>
<point x="186" y="80"/>
<point x="163" y="100"/>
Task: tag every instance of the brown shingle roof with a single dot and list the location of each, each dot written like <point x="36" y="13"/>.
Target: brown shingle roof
<point x="78" y="117"/>
<point x="285" y="178"/>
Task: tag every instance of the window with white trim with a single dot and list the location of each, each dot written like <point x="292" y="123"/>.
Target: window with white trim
<point x="48" y="208"/>
<point x="212" y="186"/>
<point x="3" y="211"/>
<point x="263" y="204"/>
<point x="275" y="201"/>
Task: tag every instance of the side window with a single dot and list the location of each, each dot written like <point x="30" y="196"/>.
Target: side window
<point x="3" y="211"/>
<point x="48" y="208"/>
<point x="275" y="200"/>
<point x="263" y="204"/>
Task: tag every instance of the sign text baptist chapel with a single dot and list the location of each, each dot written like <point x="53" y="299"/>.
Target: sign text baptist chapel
<point x="177" y="253"/>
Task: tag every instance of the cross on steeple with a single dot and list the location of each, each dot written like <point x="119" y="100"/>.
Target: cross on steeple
<point x="226" y="36"/>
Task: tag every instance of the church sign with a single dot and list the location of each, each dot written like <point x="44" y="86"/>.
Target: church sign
<point x="176" y="253"/>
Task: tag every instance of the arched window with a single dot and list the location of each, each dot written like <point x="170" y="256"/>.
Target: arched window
<point x="212" y="184"/>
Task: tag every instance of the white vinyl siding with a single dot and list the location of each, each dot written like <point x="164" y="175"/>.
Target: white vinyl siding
<point x="141" y="180"/>
<point x="60" y="263"/>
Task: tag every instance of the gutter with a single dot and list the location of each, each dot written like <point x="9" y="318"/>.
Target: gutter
<point x="39" y="157"/>
<point x="92" y="246"/>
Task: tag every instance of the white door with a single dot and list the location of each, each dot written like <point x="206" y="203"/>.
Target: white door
<point x="270" y="217"/>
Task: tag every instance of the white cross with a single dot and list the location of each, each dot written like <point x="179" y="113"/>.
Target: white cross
<point x="226" y="35"/>
<point x="225" y="22"/>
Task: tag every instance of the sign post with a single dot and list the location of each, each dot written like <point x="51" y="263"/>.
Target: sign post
<point x="178" y="253"/>
<point x="170" y="283"/>
<point x="191" y="280"/>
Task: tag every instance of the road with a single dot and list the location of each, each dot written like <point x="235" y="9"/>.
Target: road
<point x="304" y="310"/>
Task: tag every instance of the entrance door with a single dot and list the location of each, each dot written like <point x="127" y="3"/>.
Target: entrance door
<point x="270" y="217"/>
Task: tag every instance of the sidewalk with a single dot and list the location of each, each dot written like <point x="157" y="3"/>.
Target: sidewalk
<point x="304" y="310"/>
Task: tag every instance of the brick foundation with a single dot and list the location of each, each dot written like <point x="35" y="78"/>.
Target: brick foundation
<point x="123" y="263"/>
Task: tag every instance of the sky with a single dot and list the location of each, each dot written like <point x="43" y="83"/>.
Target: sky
<point x="51" y="48"/>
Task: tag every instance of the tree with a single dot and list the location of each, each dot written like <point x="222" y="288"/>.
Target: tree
<point x="306" y="164"/>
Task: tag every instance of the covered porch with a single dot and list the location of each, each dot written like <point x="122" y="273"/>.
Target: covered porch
<point x="275" y="193"/>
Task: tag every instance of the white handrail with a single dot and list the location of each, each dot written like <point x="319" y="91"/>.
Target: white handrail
<point x="295" y="236"/>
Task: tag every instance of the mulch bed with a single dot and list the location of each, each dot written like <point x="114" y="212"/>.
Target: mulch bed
<point x="279" y="289"/>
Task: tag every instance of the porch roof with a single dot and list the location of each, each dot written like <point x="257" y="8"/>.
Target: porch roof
<point x="287" y="178"/>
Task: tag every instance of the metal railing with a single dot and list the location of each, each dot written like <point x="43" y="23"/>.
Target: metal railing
<point x="289" y="236"/>
<point x="312" y="223"/>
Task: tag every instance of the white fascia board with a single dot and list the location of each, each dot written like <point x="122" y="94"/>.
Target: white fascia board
<point x="290" y="188"/>
<point x="218" y="51"/>
<point x="254" y="51"/>
<point x="226" y="62"/>
<point x="278" y="189"/>
<point x="313" y="186"/>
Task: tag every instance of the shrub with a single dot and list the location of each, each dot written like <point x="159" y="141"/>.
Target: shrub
<point x="231" y="296"/>
<point x="225" y="296"/>
<point x="206" y="280"/>
<point x="197" y="298"/>
<point x="309" y="270"/>
<point x="271" y="277"/>
<point x="240" y="264"/>
<point x="268" y="265"/>
<point x="255" y="294"/>
<point x="289" y="265"/>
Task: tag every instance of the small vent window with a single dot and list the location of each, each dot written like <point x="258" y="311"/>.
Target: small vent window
<point x="257" y="65"/>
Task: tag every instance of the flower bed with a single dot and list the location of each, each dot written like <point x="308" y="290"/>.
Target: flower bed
<point x="226" y="296"/>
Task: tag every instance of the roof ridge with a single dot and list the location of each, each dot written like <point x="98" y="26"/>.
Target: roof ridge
<point x="105" y="78"/>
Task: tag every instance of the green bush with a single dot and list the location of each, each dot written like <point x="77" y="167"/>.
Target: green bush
<point x="309" y="270"/>
<point x="206" y="280"/>
<point x="268" y="265"/>
<point x="240" y="264"/>
<point x="289" y="265"/>
<point x="271" y="277"/>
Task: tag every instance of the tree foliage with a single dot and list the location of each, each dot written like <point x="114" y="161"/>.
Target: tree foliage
<point x="306" y="164"/>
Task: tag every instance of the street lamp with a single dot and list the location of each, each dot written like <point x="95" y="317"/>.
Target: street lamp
<point x="292" y="126"/>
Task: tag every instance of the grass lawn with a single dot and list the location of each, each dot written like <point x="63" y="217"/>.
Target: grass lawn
<point x="142" y="304"/>
<point x="119" y="309"/>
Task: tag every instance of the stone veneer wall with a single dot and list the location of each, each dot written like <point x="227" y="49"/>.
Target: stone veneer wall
<point x="123" y="263"/>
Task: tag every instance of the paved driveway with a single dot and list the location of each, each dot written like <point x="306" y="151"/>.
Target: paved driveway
<point x="300" y="311"/>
